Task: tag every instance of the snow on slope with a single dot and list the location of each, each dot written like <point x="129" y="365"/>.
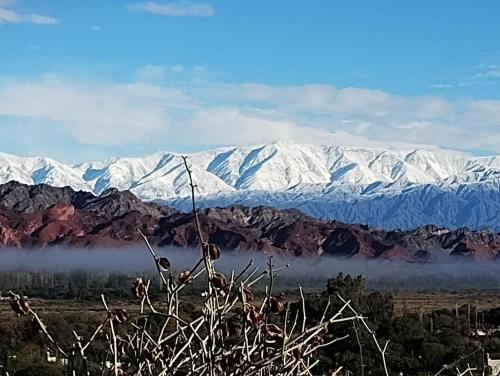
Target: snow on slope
<point x="379" y="187"/>
<point x="38" y="170"/>
<point x="274" y="167"/>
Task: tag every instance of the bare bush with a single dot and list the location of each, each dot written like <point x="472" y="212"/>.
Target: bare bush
<point x="233" y="334"/>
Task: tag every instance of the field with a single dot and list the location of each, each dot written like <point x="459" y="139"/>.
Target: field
<point x="404" y="302"/>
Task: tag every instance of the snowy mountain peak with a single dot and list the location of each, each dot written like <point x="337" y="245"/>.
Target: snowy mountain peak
<point x="276" y="167"/>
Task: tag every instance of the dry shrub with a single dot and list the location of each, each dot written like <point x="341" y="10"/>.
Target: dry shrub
<point x="270" y="338"/>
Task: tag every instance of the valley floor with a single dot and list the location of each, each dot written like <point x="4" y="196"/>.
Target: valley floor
<point x="404" y="303"/>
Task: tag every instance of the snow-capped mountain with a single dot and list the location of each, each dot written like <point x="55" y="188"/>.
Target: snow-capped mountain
<point x="380" y="187"/>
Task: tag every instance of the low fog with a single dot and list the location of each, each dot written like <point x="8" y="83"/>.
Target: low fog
<point x="450" y="274"/>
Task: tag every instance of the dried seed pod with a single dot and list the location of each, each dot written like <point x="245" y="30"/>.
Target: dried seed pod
<point x="245" y="294"/>
<point x="138" y="288"/>
<point x="253" y="316"/>
<point x="164" y="263"/>
<point x="273" y="330"/>
<point x="185" y="277"/>
<point x="120" y="315"/>
<point x="213" y="251"/>
<point x="20" y="306"/>
<point x="219" y="281"/>
<point x="274" y="335"/>
<point x="276" y="305"/>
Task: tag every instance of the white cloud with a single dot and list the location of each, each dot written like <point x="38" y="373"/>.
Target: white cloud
<point x="10" y="16"/>
<point x="151" y="114"/>
<point x="174" y="9"/>
<point x="493" y="73"/>
<point x="482" y="75"/>
<point x="441" y="86"/>
<point x="328" y="100"/>
<point x="151" y="73"/>
<point x="225" y="125"/>
<point x="95" y="114"/>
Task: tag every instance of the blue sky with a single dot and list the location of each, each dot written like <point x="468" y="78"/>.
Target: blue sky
<point x="90" y="79"/>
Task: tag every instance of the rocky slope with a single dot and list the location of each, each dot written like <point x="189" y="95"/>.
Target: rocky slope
<point x="383" y="188"/>
<point x="41" y="216"/>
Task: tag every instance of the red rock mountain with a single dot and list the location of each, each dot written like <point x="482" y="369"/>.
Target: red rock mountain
<point x="41" y="216"/>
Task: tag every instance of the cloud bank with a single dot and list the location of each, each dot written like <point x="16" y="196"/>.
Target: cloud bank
<point x="154" y="110"/>
<point x="8" y="15"/>
<point x="449" y="275"/>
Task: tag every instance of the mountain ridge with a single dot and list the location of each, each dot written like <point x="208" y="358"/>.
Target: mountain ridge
<point x="323" y="181"/>
<point x="44" y="216"/>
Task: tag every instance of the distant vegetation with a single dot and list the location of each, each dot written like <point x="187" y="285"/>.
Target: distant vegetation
<point x="88" y="285"/>
<point x="420" y="344"/>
